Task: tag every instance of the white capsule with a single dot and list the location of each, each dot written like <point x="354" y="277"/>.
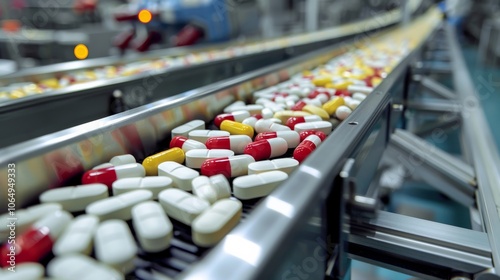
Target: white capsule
<point x="118" y="207"/>
<point x="80" y="267"/>
<point x="250" y="121"/>
<point x="252" y="109"/>
<point x="359" y="96"/>
<point x="122" y="159"/>
<point x="77" y="237"/>
<point x="180" y="174"/>
<point x="269" y="126"/>
<point x="286" y="165"/>
<point x="155" y="184"/>
<point x="360" y="88"/>
<point x="203" y="135"/>
<point x="323" y="126"/>
<point x="75" y="199"/>
<point x="314" y="102"/>
<point x="181" y="205"/>
<point x="238" y="103"/>
<point x="257" y="185"/>
<point x="267" y="113"/>
<point x="186" y="128"/>
<point x="23" y="271"/>
<point x="195" y="158"/>
<point x="152" y="227"/>
<point x="212" y="225"/>
<point x="115" y="245"/>
<point x="342" y="112"/>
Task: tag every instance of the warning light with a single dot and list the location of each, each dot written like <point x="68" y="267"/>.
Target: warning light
<point x="145" y="16"/>
<point x="81" y="51"/>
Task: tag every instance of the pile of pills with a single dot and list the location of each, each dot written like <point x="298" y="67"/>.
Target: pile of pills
<point x="202" y="181"/>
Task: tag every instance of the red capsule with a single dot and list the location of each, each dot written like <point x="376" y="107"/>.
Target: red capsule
<point x="291" y="122"/>
<point x="298" y="106"/>
<point x="303" y="135"/>
<point x="342" y="92"/>
<point x="228" y="166"/>
<point x="110" y="174"/>
<point x="267" y="148"/>
<point x="306" y="147"/>
<point x="235" y="143"/>
<point x="237" y="116"/>
<point x="317" y="92"/>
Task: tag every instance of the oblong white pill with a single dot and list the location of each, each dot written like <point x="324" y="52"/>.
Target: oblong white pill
<point x="118" y="207"/>
<point x="81" y="267"/>
<point x="122" y="159"/>
<point x="342" y="112"/>
<point x="115" y="245"/>
<point x="187" y="127"/>
<point x="155" y="184"/>
<point x="323" y="126"/>
<point x="180" y="174"/>
<point x="286" y="165"/>
<point x="75" y="199"/>
<point x="181" y="205"/>
<point x="196" y="157"/>
<point x="203" y="135"/>
<point x="269" y="126"/>
<point x="211" y="189"/>
<point x="77" y="236"/>
<point x="212" y="225"/>
<point x="24" y="271"/>
<point x="152" y="226"/>
<point x="252" y="109"/>
<point x="257" y="185"/>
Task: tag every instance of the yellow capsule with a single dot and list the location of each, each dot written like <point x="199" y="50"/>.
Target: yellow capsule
<point x="236" y="128"/>
<point x="151" y="163"/>
<point x="51" y="83"/>
<point x="331" y="106"/>
<point x="368" y="71"/>
<point x="285" y="115"/>
<point x="329" y="85"/>
<point x="376" y="81"/>
<point x="17" y="94"/>
<point x="321" y="80"/>
<point x="342" y="85"/>
<point x="316" y="111"/>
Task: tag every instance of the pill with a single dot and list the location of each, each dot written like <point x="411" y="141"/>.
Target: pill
<point x="151" y="163"/>
<point x="314" y="110"/>
<point x="237" y="116"/>
<point x="299" y="105"/>
<point x="108" y="175"/>
<point x="252" y="109"/>
<point x="180" y="174"/>
<point x="252" y="120"/>
<point x="360" y="88"/>
<point x="235" y="143"/>
<point x="312" y="102"/>
<point x="291" y="122"/>
<point x="81" y="267"/>
<point x="203" y="135"/>
<point x="267" y="113"/>
<point x="269" y="125"/>
<point x="24" y="218"/>
<point x="181" y="205"/>
<point x="342" y="112"/>
<point x="332" y="105"/>
<point x="122" y="159"/>
<point x="24" y="271"/>
<point x="285" y="115"/>
<point x="257" y="185"/>
<point x="229" y="166"/>
<point x="235" y="128"/>
<point x="211" y="188"/>
<point x="286" y="165"/>
<point x="77" y="236"/>
<point x="238" y="103"/>
<point x="306" y="147"/>
<point x="212" y="225"/>
<point x="118" y="207"/>
<point x="184" y="129"/>
<point x="75" y="199"/>
<point x="115" y="245"/>
<point x="195" y="158"/>
<point x="303" y="135"/>
<point x="352" y="103"/>
<point x="103" y="165"/>
<point x="37" y="241"/>
<point x="186" y="144"/>
<point x="323" y="126"/>
<point x="152" y="226"/>
<point x="155" y="184"/>
<point x="267" y="148"/>
<point x="359" y="96"/>
<point x="291" y="137"/>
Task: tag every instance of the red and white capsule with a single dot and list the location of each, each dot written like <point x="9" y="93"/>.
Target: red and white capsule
<point x="37" y="241"/>
<point x="303" y="135"/>
<point x="306" y="147"/>
<point x="108" y="175"/>
<point x="291" y="122"/>
<point x="291" y="137"/>
<point x="235" y="143"/>
<point x="298" y="106"/>
<point x="237" y="116"/>
<point x="267" y="148"/>
<point x="228" y="166"/>
<point x="185" y="143"/>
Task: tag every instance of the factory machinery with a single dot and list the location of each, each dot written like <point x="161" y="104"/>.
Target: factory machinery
<point x="329" y="210"/>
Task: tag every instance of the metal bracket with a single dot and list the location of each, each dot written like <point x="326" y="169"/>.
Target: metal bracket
<point x="435" y="87"/>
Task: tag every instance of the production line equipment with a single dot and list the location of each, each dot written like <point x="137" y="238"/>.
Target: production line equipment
<point x="322" y="213"/>
<point x="82" y="91"/>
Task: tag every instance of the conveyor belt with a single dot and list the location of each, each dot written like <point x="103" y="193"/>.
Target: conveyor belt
<point x="40" y="114"/>
<point x="268" y="235"/>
